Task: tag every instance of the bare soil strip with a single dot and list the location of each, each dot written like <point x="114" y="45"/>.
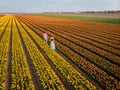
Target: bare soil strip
<point x="66" y="33"/>
<point x="34" y="76"/>
<point x="9" y="65"/>
<point x="106" y="58"/>
<point x="78" y="69"/>
<point x="83" y="55"/>
<point x="68" y="60"/>
<point x="62" y="79"/>
<point x="103" y="15"/>
<point x="36" y="26"/>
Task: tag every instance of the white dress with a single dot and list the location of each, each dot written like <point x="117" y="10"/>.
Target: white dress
<point x="52" y="45"/>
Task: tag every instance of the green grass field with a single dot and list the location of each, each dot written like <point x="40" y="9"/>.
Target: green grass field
<point x="93" y="19"/>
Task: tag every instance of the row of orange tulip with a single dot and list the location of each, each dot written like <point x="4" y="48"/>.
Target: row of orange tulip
<point x="100" y="52"/>
<point x="83" y="37"/>
<point x="104" y="30"/>
<point x="101" y="77"/>
<point x="75" y="79"/>
<point x="96" y="33"/>
<point x="100" y="32"/>
<point x="105" y="65"/>
<point x="97" y="74"/>
<point x="109" y="42"/>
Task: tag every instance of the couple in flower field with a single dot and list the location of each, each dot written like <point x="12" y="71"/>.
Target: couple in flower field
<point x="52" y="44"/>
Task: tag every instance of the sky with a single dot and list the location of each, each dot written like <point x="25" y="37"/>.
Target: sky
<point x="37" y="6"/>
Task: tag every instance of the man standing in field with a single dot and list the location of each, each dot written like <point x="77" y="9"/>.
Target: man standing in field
<point x="45" y="37"/>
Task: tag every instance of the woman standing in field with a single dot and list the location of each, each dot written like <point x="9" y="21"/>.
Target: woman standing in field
<point x="45" y="37"/>
<point x="52" y="44"/>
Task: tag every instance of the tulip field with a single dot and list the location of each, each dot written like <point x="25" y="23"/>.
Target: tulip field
<point x="87" y="55"/>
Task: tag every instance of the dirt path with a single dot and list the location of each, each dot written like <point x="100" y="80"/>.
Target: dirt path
<point x="78" y="69"/>
<point x="9" y="65"/>
<point x="68" y="60"/>
<point x="62" y="79"/>
<point x="34" y="76"/>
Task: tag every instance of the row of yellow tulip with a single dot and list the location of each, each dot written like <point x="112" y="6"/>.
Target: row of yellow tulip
<point x="74" y="78"/>
<point x="46" y="75"/>
<point x="3" y="24"/>
<point x="21" y="79"/>
<point x="4" y="45"/>
<point x="2" y="20"/>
